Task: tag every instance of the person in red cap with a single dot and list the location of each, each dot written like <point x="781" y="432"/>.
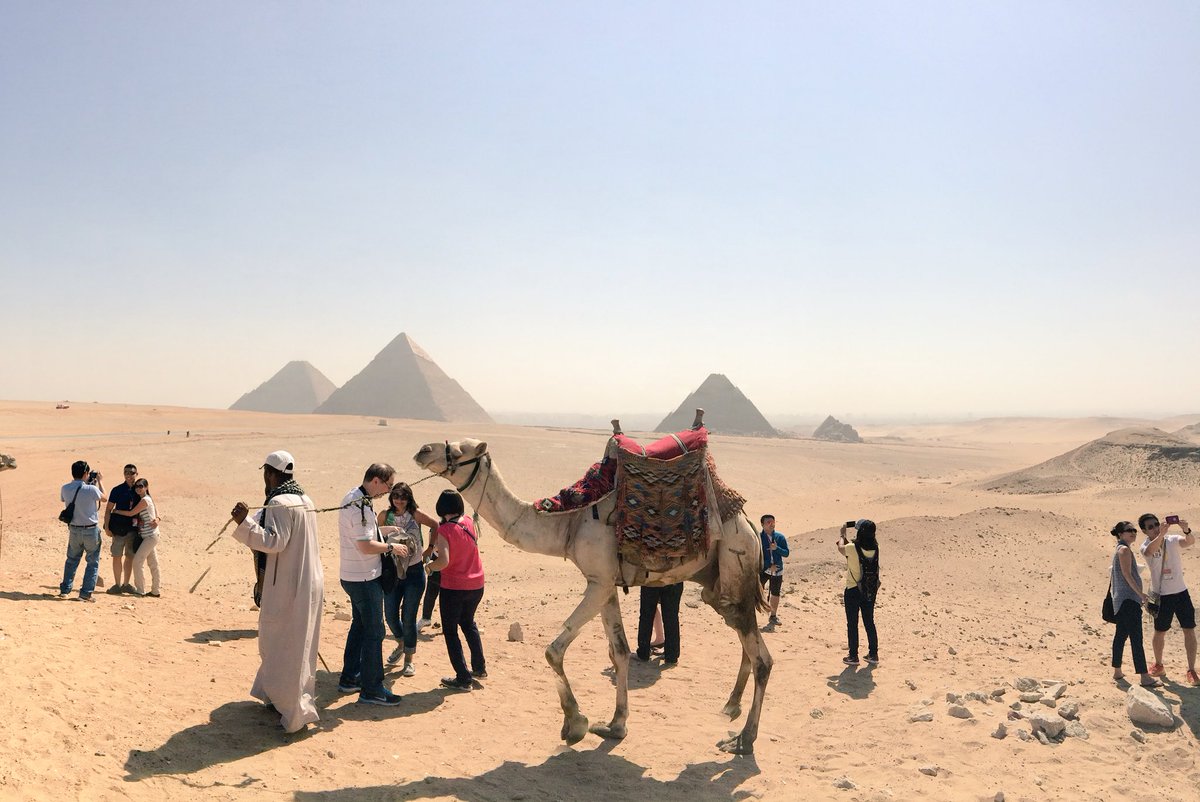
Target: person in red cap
<point x="293" y="588"/>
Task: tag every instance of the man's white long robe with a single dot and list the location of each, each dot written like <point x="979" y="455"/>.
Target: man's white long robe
<point x="289" y="619"/>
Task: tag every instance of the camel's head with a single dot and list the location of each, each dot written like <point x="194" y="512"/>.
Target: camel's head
<point x="7" y="463"/>
<point x="446" y="459"/>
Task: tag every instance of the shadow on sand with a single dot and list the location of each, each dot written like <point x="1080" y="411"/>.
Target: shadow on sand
<point x="222" y="635"/>
<point x="242" y="729"/>
<point x="855" y="683"/>
<point x="595" y="775"/>
<point x="17" y="595"/>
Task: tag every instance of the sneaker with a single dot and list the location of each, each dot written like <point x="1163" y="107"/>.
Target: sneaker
<point x="422" y="623"/>
<point x="872" y="660"/>
<point x="154" y="594"/>
<point x="479" y="674"/>
<point x="1191" y="678"/>
<point x="86" y="597"/>
<point x="456" y="684"/>
<point x="386" y="699"/>
<point x="64" y="594"/>
<point x="127" y="588"/>
<point x="773" y="620"/>
<point x="396" y="654"/>
<point x="408" y="671"/>
<point x="850" y="661"/>
<point x="353" y="686"/>
<point x="113" y="589"/>
<point x="1157" y="670"/>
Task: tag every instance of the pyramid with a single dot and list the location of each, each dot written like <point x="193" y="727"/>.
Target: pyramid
<point x="403" y="382"/>
<point x="297" y="387"/>
<point x="833" y="429"/>
<point x="726" y="410"/>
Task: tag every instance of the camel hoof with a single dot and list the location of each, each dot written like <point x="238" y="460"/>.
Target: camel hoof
<point x="736" y="745"/>
<point x="732" y="709"/>
<point x="608" y="731"/>
<point x="574" y="728"/>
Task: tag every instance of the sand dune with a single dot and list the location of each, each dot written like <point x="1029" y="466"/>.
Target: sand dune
<point x="147" y="699"/>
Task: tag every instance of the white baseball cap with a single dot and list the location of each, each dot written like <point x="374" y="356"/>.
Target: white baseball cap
<point x="281" y="461"/>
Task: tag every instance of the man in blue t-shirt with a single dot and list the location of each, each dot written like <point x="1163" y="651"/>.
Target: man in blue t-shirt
<point x="774" y="548"/>
<point x="123" y="530"/>
<point x="86" y="492"/>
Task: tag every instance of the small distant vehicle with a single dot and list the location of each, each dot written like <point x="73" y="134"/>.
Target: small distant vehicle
<point x="63" y="405"/>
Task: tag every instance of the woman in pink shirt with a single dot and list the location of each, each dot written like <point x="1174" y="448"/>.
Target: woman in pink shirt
<point x="462" y="588"/>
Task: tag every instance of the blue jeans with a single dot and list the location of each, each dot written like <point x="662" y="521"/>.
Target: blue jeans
<point x="363" y="658"/>
<point x="83" y="539"/>
<point x="406" y="597"/>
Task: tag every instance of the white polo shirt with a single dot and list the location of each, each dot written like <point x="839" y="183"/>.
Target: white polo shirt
<point x="356" y="521"/>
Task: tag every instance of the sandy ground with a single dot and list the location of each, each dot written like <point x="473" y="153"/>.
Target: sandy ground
<point x="148" y="699"/>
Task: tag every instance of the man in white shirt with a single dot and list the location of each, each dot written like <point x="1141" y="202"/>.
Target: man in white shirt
<point x="1163" y="554"/>
<point x="359" y="570"/>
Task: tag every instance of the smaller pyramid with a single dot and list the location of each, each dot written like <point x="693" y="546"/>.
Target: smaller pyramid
<point x="298" y="387"/>
<point x="402" y="381"/>
<point x="833" y="429"/>
<point x="726" y="410"/>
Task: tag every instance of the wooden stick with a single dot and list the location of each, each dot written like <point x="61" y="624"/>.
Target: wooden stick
<point x="206" y="570"/>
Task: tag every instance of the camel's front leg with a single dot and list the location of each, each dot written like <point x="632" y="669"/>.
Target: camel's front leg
<point x="575" y="724"/>
<point x="618" y="652"/>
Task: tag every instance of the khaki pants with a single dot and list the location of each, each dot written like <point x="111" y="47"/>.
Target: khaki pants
<point x="147" y="553"/>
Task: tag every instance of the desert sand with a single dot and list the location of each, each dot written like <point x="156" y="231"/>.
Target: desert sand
<point x="141" y="699"/>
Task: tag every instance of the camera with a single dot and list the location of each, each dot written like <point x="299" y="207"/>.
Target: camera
<point x="851" y="524"/>
<point x="92" y="477"/>
<point x="1172" y="519"/>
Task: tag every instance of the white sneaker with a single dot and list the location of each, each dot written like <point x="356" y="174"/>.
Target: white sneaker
<point x="396" y="655"/>
<point x="422" y="623"/>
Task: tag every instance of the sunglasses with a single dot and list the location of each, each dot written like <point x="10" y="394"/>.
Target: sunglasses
<point x="131" y="473"/>
<point x="1154" y="525"/>
<point x="1129" y="531"/>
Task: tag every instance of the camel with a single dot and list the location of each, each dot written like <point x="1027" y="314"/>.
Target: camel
<point x="728" y="574"/>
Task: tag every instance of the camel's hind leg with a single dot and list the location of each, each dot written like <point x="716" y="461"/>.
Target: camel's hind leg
<point x="618" y="652"/>
<point x="595" y="597"/>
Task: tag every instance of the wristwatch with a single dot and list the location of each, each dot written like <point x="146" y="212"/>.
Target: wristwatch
<point x="390" y="549"/>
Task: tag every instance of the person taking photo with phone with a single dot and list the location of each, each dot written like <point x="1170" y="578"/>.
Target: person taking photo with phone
<point x="1164" y="556"/>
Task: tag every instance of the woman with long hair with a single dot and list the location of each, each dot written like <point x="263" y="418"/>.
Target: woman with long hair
<point x="1128" y="598"/>
<point x="401" y="604"/>
<point x="864" y="547"/>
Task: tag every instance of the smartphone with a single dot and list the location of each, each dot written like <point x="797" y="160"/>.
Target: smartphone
<point x="851" y="524"/>
<point x="1172" y="519"/>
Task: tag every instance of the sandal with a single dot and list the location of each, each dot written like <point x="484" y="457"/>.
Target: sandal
<point x="1154" y="683"/>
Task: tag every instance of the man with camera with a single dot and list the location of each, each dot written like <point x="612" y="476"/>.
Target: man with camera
<point x="122" y="529"/>
<point x="1164" y="556"/>
<point x="82" y="495"/>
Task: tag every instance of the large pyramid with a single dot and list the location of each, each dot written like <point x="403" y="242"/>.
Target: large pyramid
<point x="297" y="387"/>
<point x="403" y="382"/>
<point x="726" y="410"/>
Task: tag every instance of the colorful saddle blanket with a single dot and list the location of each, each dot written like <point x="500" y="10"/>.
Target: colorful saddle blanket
<point x="662" y="514"/>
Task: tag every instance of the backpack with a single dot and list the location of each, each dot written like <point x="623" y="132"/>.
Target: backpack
<point x="868" y="583"/>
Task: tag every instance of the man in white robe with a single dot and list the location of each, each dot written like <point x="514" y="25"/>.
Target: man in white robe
<point x="293" y="585"/>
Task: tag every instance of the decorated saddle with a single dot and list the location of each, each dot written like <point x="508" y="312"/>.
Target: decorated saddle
<point x="669" y="502"/>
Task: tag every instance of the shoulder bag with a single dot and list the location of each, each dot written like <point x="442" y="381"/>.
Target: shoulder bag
<point x="68" y="513"/>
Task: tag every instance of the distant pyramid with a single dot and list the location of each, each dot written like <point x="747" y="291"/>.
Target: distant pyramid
<point x="403" y="382"/>
<point x="833" y="429"/>
<point x="726" y="411"/>
<point x="297" y="387"/>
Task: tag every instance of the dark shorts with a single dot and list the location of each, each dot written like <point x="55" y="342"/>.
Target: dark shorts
<point x="1175" y="605"/>
<point x="775" y="581"/>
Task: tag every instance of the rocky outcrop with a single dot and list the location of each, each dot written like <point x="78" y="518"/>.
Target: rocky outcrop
<point x="834" y="430"/>
<point x="7" y="463"/>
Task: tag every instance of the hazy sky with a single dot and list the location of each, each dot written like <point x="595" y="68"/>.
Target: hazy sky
<point x="917" y="208"/>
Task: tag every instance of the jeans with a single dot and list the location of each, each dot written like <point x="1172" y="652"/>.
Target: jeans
<point x="669" y="597"/>
<point x="458" y="610"/>
<point x="405" y="596"/>
<point x="855" y="604"/>
<point x="82" y="539"/>
<point x="363" y="658"/>
<point x="1129" y="626"/>
<point x="431" y="594"/>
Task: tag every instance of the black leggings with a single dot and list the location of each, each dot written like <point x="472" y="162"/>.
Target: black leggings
<point x="855" y="604"/>
<point x="1129" y="625"/>
<point x="432" y="585"/>
<point x="458" y="612"/>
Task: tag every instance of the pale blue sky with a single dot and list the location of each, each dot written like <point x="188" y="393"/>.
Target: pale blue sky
<point x="874" y="209"/>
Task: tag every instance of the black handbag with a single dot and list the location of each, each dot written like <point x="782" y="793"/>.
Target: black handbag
<point x="390" y="576"/>
<point x="1107" y="612"/>
<point x="68" y="513"/>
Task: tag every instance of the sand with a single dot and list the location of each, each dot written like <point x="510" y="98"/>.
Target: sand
<point x="143" y="699"/>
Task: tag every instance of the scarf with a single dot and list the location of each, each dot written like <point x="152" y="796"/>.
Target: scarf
<point x="291" y="486"/>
